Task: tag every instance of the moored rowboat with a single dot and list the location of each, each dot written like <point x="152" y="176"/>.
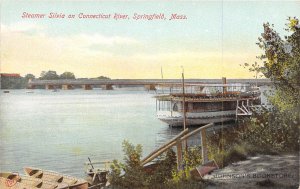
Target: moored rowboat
<point x="72" y="182"/>
<point x="14" y="180"/>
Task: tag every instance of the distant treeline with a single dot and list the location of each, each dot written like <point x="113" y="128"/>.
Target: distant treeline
<point x="13" y="82"/>
<point x="21" y="82"/>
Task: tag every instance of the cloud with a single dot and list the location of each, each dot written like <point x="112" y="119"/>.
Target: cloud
<point x="18" y="42"/>
<point x="21" y="27"/>
<point x="82" y="39"/>
<point x="33" y="53"/>
<point x="197" y="64"/>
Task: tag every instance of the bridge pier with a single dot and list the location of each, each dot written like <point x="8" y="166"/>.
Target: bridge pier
<point x="107" y="87"/>
<point x="66" y="87"/>
<point x="49" y="87"/>
<point x="87" y="87"/>
<point x="30" y="86"/>
<point x="150" y="87"/>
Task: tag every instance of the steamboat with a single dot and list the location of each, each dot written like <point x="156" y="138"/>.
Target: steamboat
<point x="205" y="103"/>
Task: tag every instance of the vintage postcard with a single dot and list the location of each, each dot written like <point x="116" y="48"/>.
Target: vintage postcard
<point x="149" y="94"/>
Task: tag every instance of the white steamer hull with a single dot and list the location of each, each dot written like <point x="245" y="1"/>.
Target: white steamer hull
<point x="175" y="119"/>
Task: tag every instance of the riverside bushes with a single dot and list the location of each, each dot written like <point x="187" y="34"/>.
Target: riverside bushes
<point x="131" y="174"/>
<point x="278" y="129"/>
<point x="162" y="174"/>
<point x="266" y="132"/>
<point x="275" y="131"/>
<point x="164" y="169"/>
<point x="271" y="132"/>
<point x="224" y="146"/>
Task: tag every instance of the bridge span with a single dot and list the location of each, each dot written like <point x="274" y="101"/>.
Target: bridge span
<point x="150" y="84"/>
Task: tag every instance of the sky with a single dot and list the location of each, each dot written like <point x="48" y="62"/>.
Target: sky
<point x="212" y="42"/>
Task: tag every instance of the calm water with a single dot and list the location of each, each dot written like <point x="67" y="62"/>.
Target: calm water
<point x="59" y="131"/>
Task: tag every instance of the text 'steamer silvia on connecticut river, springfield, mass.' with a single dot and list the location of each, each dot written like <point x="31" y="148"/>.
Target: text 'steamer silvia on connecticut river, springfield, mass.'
<point x="104" y="16"/>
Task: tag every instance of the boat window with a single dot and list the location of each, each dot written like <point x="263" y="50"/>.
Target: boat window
<point x="175" y="107"/>
<point x="164" y="105"/>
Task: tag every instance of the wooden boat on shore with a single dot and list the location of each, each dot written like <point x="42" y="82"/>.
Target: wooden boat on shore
<point x="9" y="180"/>
<point x="9" y="184"/>
<point x="97" y="176"/>
<point x="72" y="182"/>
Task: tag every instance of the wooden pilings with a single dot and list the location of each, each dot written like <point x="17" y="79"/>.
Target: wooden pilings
<point x="163" y="148"/>
<point x="177" y="141"/>
<point x="196" y="131"/>
<point x="204" y="146"/>
<point x="179" y="153"/>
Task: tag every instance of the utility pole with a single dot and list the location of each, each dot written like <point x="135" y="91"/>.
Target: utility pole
<point x="162" y="78"/>
<point x="183" y="103"/>
<point x="184" y="107"/>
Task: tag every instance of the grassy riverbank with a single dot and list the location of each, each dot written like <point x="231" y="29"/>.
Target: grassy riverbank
<point x="235" y="154"/>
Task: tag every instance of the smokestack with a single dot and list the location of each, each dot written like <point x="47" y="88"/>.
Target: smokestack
<point x="224" y="82"/>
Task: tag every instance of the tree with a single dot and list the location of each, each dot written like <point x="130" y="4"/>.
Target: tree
<point x="29" y="76"/>
<point x="12" y="83"/>
<point x="279" y="129"/>
<point x="256" y="68"/>
<point x="131" y="174"/>
<point x="103" y="77"/>
<point x="134" y="176"/>
<point x="281" y="61"/>
<point x="67" y="75"/>
<point x="49" y="75"/>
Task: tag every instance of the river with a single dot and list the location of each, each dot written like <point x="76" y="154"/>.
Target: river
<point x="60" y="130"/>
